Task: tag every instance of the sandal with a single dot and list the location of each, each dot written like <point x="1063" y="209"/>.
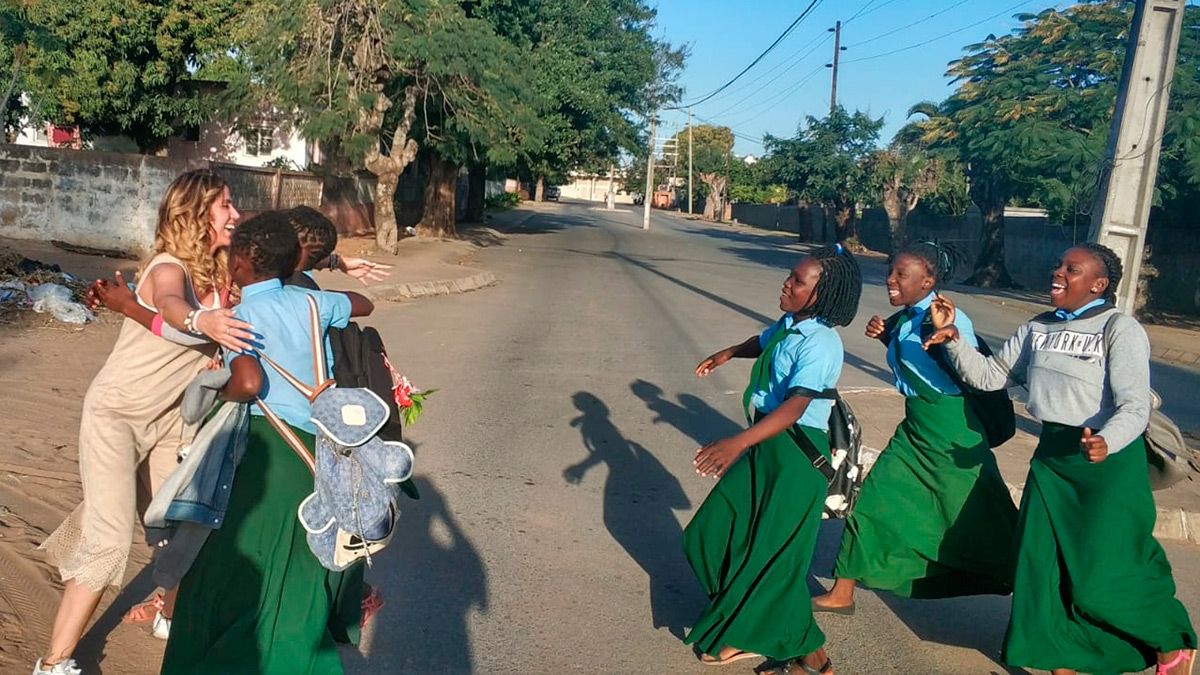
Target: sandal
<point x="372" y="602"/>
<point x="144" y="612"/>
<point x="794" y="666"/>
<point x="736" y="656"/>
<point x="1165" y="668"/>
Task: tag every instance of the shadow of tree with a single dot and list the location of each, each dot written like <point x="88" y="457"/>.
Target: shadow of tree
<point x="640" y="499"/>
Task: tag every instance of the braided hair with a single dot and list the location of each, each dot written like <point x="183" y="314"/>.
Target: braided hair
<point x="269" y="243"/>
<point x="316" y="232"/>
<point x="839" y="287"/>
<point x="1110" y="262"/>
<point x="940" y="259"/>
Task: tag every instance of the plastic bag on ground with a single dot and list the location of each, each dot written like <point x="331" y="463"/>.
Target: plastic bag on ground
<point x="56" y="299"/>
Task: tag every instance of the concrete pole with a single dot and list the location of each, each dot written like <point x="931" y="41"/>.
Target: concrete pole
<point x="649" y="177"/>
<point x="1122" y="210"/>
<point x="610" y="200"/>
<point x="837" y="52"/>
<point x="690" y="161"/>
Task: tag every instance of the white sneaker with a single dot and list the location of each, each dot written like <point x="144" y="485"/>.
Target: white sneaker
<point x="161" y="627"/>
<point x="61" y="668"/>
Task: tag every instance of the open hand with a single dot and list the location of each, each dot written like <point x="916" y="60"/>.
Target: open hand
<point x="1095" y="448"/>
<point x="941" y="336"/>
<point x="713" y="362"/>
<point x="224" y="328"/>
<point x="875" y="327"/>
<point x="364" y="270"/>
<point x="112" y="294"/>
<point x="941" y="311"/>
<point x="714" y="459"/>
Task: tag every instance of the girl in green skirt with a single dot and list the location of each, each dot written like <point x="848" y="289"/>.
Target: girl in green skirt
<point x="256" y="600"/>
<point x="934" y="518"/>
<point x="1093" y="589"/>
<point x="751" y="541"/>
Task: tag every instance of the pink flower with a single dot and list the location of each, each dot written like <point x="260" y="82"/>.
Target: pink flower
<point x="402" y="393"/>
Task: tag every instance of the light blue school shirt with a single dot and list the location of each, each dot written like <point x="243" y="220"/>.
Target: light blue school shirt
<point x="1071" y="316"/>
<point x="280" y="318"/>
<point x="906" y="346"/>
<point x="809" y="360"/>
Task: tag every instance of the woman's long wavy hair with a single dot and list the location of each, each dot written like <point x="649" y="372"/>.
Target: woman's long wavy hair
<point x="185" y="231"/>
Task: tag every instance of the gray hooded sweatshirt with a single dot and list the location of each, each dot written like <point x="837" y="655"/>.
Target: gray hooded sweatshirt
<point x="1072" y="376"/>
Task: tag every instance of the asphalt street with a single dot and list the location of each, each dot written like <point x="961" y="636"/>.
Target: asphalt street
<point x="554" y="462"/>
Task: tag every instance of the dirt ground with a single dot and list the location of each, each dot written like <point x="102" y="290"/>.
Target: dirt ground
<point x="39" y="486"/>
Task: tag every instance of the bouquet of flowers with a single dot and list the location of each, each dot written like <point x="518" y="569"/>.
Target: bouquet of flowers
<point x="410" y="400"/>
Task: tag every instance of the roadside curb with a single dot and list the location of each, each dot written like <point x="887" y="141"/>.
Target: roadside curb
<point x="426" y="289"/>
<point x="1170" y="524"/>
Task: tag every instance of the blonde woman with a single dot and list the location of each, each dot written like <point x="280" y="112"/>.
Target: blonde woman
<point x="131" y="429"/>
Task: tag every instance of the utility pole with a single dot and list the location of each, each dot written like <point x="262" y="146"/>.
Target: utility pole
<point x="689" y="161"/>
<point x="1122" y="211"/>
<point x="837" y="52"/>
<point x="649" y="176"/>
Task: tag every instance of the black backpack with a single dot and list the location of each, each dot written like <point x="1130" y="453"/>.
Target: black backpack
<point x="845" y="474"/>
<point x="993" y="408"/>
<point x="360" y="360"/>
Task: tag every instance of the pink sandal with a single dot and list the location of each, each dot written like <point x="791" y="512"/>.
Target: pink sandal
<point x="372" y="602"/>
<point x="1165" y="668"/>
<point x="144" y="612"/>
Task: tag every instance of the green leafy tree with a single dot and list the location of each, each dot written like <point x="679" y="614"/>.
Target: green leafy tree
<point x="377" y="81"/>
<point x="826" y="163"/>
<point x="903" y="176"/>
<point x="1029" y="121"/>
<point x="712" y="150"/>
<point x="122" y="66"/>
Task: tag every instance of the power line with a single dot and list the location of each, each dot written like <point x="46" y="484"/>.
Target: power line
<point x="773" y="45"/>
<point x="860" y="11"/>
<point x="864" y="13"/>
<point x="939" y="37"/>
<point x="907" y="26"/>
<point x="795" y="63"/>
<point x="792" y="58"/>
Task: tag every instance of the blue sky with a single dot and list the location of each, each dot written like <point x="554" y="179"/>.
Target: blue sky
<point x="792" y="81"/>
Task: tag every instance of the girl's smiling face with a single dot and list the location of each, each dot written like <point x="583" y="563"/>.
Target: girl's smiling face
<point x="1078" y="279"/>
<point x="799" y="289"/>
<point x="908" y="281"/>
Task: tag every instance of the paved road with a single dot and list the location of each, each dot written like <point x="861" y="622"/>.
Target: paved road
<point x="555" y="462"/>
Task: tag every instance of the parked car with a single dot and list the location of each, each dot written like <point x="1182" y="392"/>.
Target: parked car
<point x="552" y="192"/>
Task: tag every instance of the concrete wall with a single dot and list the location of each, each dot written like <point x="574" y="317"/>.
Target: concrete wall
<point x="96" y="199"/>
<point x="110" y="200"/>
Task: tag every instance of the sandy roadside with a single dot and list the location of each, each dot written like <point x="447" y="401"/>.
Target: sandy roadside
<point x="45" y="368"/>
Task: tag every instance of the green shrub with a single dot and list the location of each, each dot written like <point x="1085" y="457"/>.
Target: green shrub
<point x="502" y="201"/>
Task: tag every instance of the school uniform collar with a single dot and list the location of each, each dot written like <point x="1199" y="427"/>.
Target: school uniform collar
<point x="806" y="326"/>
<point x="1086" y="309"/>
<point x="918" y="310"/>
<point x="261" y="287"/>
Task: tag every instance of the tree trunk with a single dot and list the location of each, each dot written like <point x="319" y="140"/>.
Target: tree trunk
<point x="388" y="168"/>
<point x="476" y="192"/>
<point x="846" y="222"/>
<point x="990" y="270"/>
<point x="893" y="205"/>
<point x="438" y="220"/>
<point x="386" y="233"/>
<point x="18" y="57"/>
<point x="714" y="203"/>
<point x="539" y="193"/>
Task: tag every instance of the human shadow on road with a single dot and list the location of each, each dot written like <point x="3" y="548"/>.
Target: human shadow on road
<point x="431" y="579"/>
<point x="692" y="416"/>
<point x="640" y="499"/>
<point x="974" y="622"/>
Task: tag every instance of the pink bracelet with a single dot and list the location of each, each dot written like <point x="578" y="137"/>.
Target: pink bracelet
<point x="156" y="325"/>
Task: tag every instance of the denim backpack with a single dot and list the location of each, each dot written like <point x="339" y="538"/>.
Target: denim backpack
<point x="352" y="510"/>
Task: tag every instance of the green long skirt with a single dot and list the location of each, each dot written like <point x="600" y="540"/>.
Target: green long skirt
<point x="934" y="518"/>
<point x="256" y="600"/>
<point x="750" y="544"/>
<point x="1094" y="590"/>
